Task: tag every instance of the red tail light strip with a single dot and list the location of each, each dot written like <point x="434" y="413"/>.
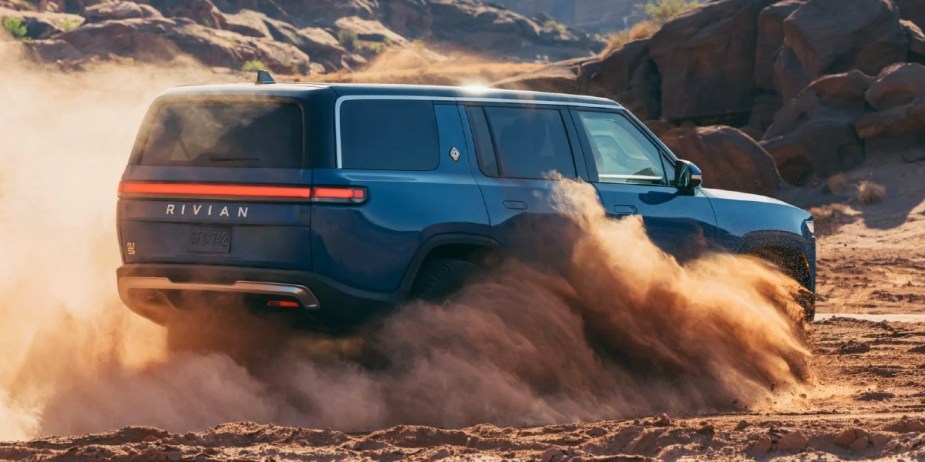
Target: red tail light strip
<point x="335" y="194"/>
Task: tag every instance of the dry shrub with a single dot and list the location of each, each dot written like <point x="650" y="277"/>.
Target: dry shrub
<point x="639" y="31"/>
<point x="828" y="218"/>
<point x="870" y="192"/>
<point x="836" y="183"/>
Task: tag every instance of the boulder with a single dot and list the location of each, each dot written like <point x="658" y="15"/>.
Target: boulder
<point x="487" y="29"/>
<point x="162" y="39"/>
<point x="248" y="22"/>
<point x="770" y="39"/>
<point x="706" y="59"/>
<point x="762" y="115"/>
<point x="814" y="133"/>
<point x="320" y="45"/>
<point x="368" y="30"/>
<point x="729" y="158"/>
<point x="202" y="12"/>
<point x="827" y="37"/>
<point x="789" y="76"/>
<point x="119" y="10"/>
<point x="897" y="85"/>
<point x="410" y="18"/>
<point x="630" y="76"/>
<point x="899" y="123"/>
<point x="916" y="41"/>
<point x="51" y="50"/>
<point x="912" y="10"/>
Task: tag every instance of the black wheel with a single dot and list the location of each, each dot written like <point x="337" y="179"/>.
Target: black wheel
<point x="793" y="265"/>
<point x="439" y="278"/>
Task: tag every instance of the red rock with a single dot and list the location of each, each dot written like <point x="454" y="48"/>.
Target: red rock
<point x="706" y="59"/>
<point x="794" y="441"/>
<point x="728" y="158"/>
<point x="827" y="37"/>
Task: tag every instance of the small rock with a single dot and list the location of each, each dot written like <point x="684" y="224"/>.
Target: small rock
<point x="662" y="421"/>
<point x="742" y="425"/>
<point x="859" y="444"/>
<point x="596" y="432"/>
<point x="174" y="456"/>
<point x="845" y="438"/>
<point x="875" y="396"/>
<point x="853" y="347"/>
<point x="551" y="455"/>
<point x="793" y="441"/>
<point x="440" y="454"/>
<point x="706" y="428"/>
<point x="761" y="445"/>
<point x="150" y="439"/>
<point x="880" y="439"/>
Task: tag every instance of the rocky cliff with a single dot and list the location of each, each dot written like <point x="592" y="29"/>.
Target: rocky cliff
<point x="818" y="86"/>
<point x="288" y="36"/>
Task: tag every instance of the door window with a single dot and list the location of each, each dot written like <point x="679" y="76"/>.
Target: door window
<point x="389" y="135"/>
<point x="523" y="142"/>
<point x="622" y="153"/>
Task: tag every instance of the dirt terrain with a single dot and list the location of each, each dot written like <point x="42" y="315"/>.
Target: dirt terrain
<point x="866" y="402"/>
<point x="863" y="400"/>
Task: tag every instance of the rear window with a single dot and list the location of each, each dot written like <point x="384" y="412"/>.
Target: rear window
<point x="388" y="135"/>
<point x="225" y="134"/>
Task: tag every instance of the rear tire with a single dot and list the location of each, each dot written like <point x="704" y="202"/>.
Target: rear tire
<point x="439" y="278"/>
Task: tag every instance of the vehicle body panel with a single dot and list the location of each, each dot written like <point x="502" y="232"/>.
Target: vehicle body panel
<point x="353" y="256"/>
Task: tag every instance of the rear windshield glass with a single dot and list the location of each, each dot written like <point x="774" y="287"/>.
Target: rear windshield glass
<point x="224" y="134"/>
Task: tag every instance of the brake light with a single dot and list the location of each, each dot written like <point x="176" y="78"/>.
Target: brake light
<point x="324" y="194"/>
<point x="283" y="304"/>
<point x="214" y="190"/>
<point x="353" y="195"/>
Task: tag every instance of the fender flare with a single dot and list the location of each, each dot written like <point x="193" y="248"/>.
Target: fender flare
<point x="437" y="241"/>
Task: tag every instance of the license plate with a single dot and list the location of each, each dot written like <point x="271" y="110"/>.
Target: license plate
<point x="210" y="239"/>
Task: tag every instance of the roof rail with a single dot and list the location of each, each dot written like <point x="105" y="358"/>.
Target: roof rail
<point x="264" y="78"/>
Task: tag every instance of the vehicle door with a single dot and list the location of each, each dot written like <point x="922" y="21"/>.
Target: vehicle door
<point x="520" y="148"/>
<point x="635" y="174"/>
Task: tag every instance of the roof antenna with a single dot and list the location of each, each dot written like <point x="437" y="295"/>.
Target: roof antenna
<point x="264" y="78"/>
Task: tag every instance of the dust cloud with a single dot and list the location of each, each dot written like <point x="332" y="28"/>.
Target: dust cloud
<point x="620" y="330"/>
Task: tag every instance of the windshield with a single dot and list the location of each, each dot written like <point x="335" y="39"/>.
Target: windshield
<point x="224" y="134"/>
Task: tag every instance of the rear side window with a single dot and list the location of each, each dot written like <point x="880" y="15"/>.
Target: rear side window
<point x="224" y="134"/>
<point x="528" y="142"/>
<point x="388" y="135"/>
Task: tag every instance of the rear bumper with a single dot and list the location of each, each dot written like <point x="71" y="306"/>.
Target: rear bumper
<point x="151" y="290"/>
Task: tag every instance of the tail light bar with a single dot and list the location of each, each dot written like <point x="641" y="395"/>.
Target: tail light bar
<point x="322" y="194"/>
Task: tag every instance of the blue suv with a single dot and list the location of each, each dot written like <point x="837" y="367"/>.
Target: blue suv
<point x="337" y="201"/>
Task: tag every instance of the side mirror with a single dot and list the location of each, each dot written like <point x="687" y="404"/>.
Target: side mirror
<point x="687" y="176"/>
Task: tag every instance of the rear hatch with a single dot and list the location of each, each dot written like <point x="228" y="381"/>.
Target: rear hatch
<point x="219" y="181"/>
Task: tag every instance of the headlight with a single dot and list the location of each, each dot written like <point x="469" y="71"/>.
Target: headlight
<point x="811" y="227"/>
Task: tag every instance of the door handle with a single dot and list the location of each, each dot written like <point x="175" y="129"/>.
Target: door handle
<point x="624" y="210"/>
<point x="515" y="205"/>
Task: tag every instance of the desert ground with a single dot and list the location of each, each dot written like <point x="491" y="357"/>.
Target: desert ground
<point x="525" y="366"/>
<point x="863" y="399"/>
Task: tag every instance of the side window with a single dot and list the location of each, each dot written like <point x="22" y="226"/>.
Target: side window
<point x="527" y="142"/>
<point x="388" y="135"/>
<point x="621" y="152"/>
